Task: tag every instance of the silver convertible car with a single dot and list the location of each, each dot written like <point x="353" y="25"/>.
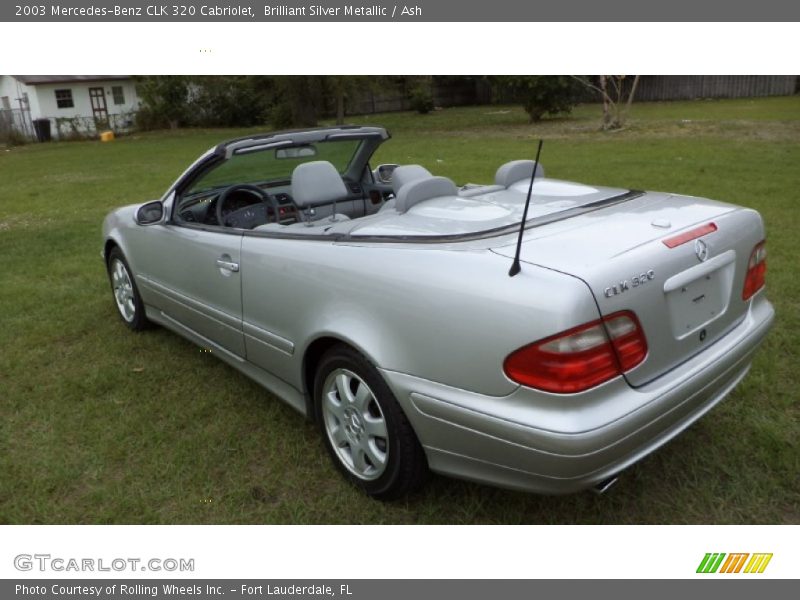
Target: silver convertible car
<point x="379" y="303"/>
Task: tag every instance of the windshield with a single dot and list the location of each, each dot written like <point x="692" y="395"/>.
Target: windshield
<point x="275" y="164"/>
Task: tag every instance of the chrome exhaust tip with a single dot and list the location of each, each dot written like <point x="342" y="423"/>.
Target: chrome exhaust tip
<point x="605" y="485"/>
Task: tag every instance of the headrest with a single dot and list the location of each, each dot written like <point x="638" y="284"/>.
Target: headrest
<point x="407" y="173"/>
<point x="317" y="182"/>
<point x="423" y="189"/>
<point x="517" y="170"/>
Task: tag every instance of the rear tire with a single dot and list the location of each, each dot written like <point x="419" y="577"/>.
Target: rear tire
<point x="125" y="293"/>
<point x="364" y="429"/>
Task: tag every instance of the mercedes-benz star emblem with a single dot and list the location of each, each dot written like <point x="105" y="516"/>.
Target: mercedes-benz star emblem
<point x="701" y="250"/>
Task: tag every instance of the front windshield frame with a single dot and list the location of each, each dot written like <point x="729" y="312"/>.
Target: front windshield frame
<point x="262" y="167"/>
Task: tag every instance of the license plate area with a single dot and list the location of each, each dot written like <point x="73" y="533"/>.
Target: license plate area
<point x="699" y="295"/>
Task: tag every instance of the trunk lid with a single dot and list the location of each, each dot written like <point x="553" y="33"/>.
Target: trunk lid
<point x="685" y="297"/>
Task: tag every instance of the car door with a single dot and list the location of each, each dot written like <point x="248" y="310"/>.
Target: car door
<point x="278" y="293"/>
<point x="192" y="275"/>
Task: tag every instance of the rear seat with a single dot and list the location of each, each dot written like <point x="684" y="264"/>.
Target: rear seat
<point x="515" y="171"/>
<point x="401" y="176"/>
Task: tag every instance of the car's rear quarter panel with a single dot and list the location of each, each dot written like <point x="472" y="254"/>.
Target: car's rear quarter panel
<point x="440" y="314"/>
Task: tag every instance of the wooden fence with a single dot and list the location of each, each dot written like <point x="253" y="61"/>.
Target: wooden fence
<point x="689" y="87"/>
<point x="477" y="90"/>
<point x="15" y="124"/>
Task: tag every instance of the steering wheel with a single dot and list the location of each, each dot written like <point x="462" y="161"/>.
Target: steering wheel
<point x="249" y="216"/>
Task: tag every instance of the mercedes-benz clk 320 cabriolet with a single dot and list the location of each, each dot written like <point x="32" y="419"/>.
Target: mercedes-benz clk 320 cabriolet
<point x="379" y="303"/>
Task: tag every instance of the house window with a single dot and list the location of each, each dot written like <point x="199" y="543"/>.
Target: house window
<point x="64" y="99"/>
<point x="119" y="95"/>
<point x="6" y="103"/>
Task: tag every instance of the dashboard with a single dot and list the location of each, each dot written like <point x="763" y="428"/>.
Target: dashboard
<point x="241" y="206"/>
<point x="249" y="206"/>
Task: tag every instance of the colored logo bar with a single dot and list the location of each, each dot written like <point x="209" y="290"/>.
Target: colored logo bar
<point x="737" y="562"/>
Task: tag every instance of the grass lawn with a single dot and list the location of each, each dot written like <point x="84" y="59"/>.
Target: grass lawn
<point x="100" y="425"/>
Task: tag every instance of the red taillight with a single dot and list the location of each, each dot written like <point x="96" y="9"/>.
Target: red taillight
<point x="688" y="236"/>
<point x="580" y="358"/>
<point x="756" y="270"/>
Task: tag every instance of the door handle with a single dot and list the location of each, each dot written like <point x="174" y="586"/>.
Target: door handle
<point x="228" y="265"/>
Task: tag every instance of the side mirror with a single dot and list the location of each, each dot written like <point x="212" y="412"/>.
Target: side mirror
<point x="150" y="213"/>
<point x="383" y="174"/>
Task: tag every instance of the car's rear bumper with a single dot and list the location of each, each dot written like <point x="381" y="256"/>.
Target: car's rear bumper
<point x="558" y="444"/>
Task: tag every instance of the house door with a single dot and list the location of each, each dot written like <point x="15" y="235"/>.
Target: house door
<point x="97" y="95"/>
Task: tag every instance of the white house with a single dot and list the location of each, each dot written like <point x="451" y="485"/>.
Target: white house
<point x="74" y="104"/>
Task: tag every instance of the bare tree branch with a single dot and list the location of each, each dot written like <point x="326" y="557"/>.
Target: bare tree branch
<point x="616" y="103"/>
<point x="587" y="83"/>
<point x="633" y="91"/>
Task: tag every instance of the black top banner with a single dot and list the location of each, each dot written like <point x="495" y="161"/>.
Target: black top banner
<point x="419" y="11"/>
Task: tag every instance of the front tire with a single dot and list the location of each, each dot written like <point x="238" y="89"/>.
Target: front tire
<point x="126" y="295"/>
<point x="365" y="431"/>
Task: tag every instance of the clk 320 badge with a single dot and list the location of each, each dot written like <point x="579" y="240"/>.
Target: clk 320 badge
<point x="625" y="284"/>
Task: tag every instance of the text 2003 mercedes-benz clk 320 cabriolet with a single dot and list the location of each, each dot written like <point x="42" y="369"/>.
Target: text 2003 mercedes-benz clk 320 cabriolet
<point x="379" y="303"/>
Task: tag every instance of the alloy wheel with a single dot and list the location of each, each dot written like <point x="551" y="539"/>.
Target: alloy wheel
<point x="355" y="424"/>
<point x="123" y="290"/>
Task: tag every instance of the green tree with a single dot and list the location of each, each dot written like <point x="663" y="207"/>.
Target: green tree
<point x="347" y="87"/>
<point x="540" y="95"/>
<point x="420" y="96"/>
<point x="165" y="100"/>
<point x="230" y="100"/>
<point x="298" y="100"/>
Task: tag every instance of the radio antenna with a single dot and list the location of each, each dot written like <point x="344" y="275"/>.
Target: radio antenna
<point x="515" y="267"/>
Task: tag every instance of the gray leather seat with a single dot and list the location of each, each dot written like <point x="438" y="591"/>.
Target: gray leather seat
<point x="415" y="192"/>
<point x="401" y="176"/>
<point x="318" y="183"/>
<point x="516" y="171"/>
<point x="407" y="173"/>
